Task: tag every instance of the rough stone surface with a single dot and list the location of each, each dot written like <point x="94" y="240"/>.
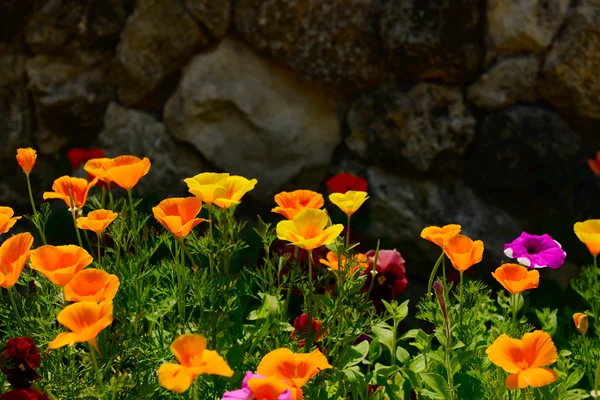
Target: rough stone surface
<point x="432" y="39"/>
<point x="328" y="40"/>
<point x="515" y="26"/>
<point x="252" y="118"/>
<point x="15" y="129"/>
<point x="570" y="76"/>
<point x="85" y="30"/>
<point x="214" y="15"/>
<point x="159" y="37"/>
<point x="507" y="82"/>
<point x="402" y="207"/>
<point x="516" y="147"/>
<point x="13" y="16"/>
<point x="128" y="131"/>
<point x="70" y="99"/>
<point x="395" y="128"/>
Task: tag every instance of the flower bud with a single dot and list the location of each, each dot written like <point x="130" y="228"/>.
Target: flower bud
<point x="581" y="322"/>
<point x="438" y="288"/>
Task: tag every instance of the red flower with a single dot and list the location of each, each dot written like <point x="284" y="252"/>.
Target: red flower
<point x="19" y="360"/>
<point x="390" y="280"/>
<point x="77" y="157"/>
<point x="301" y="328"/>
<point x="345" y="181"/>
<point x="24" y="394"/>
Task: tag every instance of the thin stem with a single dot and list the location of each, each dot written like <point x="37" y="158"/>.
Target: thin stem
<point x="195" y="389"/>
<point x="444" y="267"/>
<point x="374" y="270"/>
<point x="348" y="231"/>
<point x="131" y="207"/>
<point x="524" y="394"/>
<point x="433" y="272"/>
<point x="394" y="335"/>
<point x="462" y="302"/>
<point x="447" y="356"/>
<point x="98" y="245"/>
<point x="111" y="203"/>
<point x="15" y="308"/>
<point x="514" y="312"/>
<point x="212" y="241"/>
<point x="35" y="213"/>
<point x="95" y="364"/>
<point x="180" y="282"/>
<point x="595" y="264"/>
<point x="309" y="303"/>
<point x="187" y="251"/>
<point x="76" y="228"/>
<point x="103" y="198"/>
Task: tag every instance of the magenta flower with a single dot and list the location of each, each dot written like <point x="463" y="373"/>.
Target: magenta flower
<point x="246" y="394"/>
<point x="536" y="251"/>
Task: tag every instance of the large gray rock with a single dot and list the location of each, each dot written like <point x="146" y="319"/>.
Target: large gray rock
<point x="517" y="26"/>
<point x="328" y="40"/>
<point x="214" y="15"/>
<point x="432" y="39"/>
<point x="252" y="118"/>
<point x="507" y="82"/>
<point x="516" y="147"/>
<point x="70" y="99"/>
<point x="401" y="207"/>
<point x="83" y="30"/>
<point x="15" y="116"/>
<point x="128" y="131"/>
<point x="393" y="128"/>
<point x="570" y="76"/>
<point x="159" y="38"/>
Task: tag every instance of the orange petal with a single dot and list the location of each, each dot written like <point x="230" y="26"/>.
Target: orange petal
<point x="211" y="363"/>
<point x="63" y="339"/>
<point x="534" y="377"/>
<point x="268" y="388"/>
<point x="308" y="365"/>
<point x="506" y="353"/>
<point x="538" y="349"/>
<point x="279" y="363"/>
<point x="175" y="377"/>
<point x="187" y="348"/>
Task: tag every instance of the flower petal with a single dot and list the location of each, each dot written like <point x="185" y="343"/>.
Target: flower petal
<point x="538" y="349"/>
<point x="175" y="377"/>
<point x="506" y="353"/>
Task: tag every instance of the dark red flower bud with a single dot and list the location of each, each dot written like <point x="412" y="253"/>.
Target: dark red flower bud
<point x="301" y="328"/>
<point x="24" y="394"/>
<point x="345" y="181"/>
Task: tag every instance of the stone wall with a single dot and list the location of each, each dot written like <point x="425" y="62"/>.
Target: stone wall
<point x="466" y="111"/>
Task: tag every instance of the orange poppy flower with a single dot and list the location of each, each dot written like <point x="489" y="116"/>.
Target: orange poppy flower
<point x="308" y="229"/>
<point x="6" y="219"/>
<point x="96" y="167"/>
<point x="67" y="187"/>
<point x="85" y="320"/>
<point x="292" y="368"/>
<point x="463" y="252"/>
<point x="178" y="215"/>
<point x="237" y="187"/>
<point x="207" y="186"/>
<point x="581" y="322"/>
<point x="268" y="388"/>
<point x="97" y="221"/>
<point x="289" y="204"/>
<point x="515" y="278"/>
<point x="92" y="285"/>
<point x="350" y="201"/>
<point x="589" y="233"/>
<point x="14" y="254"/>
<point x="60" y="263"/>
<point x="595" y="164"/>
<point x="194" y="359"/>
<point x="357" y="262"/>
<point x="126" y="171"/>
<point x="26" y="159"/>
<point x="524" y="359"/>
<point x="440" y="236"/>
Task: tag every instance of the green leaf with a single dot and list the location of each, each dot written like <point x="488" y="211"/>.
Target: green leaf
<point x="374" y="350"/>
<point x="437" y="383"/>
<point x="411" y="334"/>
<point x="384" y="334"/>
<point x="353" y="374"/>
<point x="574" y="378"/>
<point x="402" y="355"/>
<point x="269" y="305"/>
<point x="355" y="354"/>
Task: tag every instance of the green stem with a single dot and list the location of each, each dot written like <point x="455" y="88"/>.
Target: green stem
<point x="195" y="389"/>
<point x="187" y="251"/>
<point x="448" y="362"/>
<point x="444" y="268"/>
<point x="96" y="367"/>
<point x="214" y="329"/>
<point x="212" y="241"/>
<point x="373" y="271"/>
<point x="98" y="245"/>
<point x="131" y="207"/>
<point x="348" y="232"/>
<point x="394" y="340"/>
<point x="180" y="283"/>
<point x="76" y="228"/>
<point x="15" y="308"/>
<point x="111" y="203"/>
<point x="595" y="256"/>
<point x="514" y="313"/>
<point x="597" y="380"/>
<point x="35" y="213"/>
<point x="462" y="302"/>
<point x="433" y="272"/>
<point x="103" y="198"/>
<point x="524" y="394"/>
<point x="309" y="303"/>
